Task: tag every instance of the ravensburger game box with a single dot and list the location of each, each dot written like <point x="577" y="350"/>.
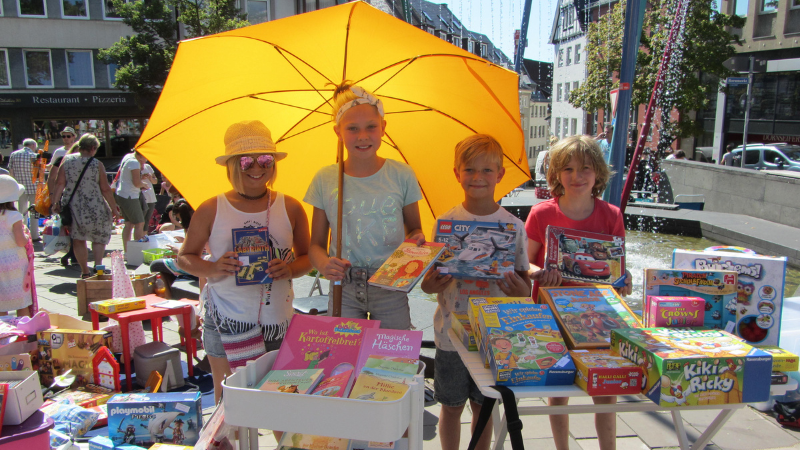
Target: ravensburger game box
<point x="523" y="345"/>
<point x="685" y="367"/>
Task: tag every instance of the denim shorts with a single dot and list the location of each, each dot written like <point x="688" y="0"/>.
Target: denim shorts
<point x="359" y="298"/>
<point x="452" y="384"/>
<point x="212" y="342"/>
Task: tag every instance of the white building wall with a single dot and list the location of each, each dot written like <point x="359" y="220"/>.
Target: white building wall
<point x="567" y="71"/>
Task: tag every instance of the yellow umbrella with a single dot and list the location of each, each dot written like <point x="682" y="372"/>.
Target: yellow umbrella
<point x="282" y="73"/>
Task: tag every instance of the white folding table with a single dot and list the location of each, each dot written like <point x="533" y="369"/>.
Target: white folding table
<point x="483" y="378"/>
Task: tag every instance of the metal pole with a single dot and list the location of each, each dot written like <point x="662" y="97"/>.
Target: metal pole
<point x="747" y="108"/>
<point x="523" y="36"/>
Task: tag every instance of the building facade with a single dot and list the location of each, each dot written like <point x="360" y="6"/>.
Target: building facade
<point x="568" y="38"/>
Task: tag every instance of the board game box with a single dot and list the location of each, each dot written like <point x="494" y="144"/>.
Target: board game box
<point x="674" y="311"/>
<point x="585" y="257"/>
<point x="406" y="265"/>
<point x="716" y="287"/>
<point x="523" y="345"/>
<point x="782" y="360"/>
<point x="147" y="418"/>
<point x="460" y="324"/>
<point x="759" y="288"/>
<point x="685" y="367"/>
<point x="62" y="350"/>
<point x="603" y="372"/>
<point x="117" y="305"/>
<point x="476" y="249"/>
<point x="588" y="314"/>
<point x="473" y="313"/>
<point x="253" y="249"/>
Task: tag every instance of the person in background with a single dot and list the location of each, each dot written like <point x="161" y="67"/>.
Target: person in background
<point x="604" y="139"/>
<point x="727" y="158"/>
<point x="129" y="188"/>
<point x="15" y="293"/>
<point x="68" y="136"/>
<point x="679" y="154"/>
<point x="52" y="179"/>
<point x="20" y="165"/>
<point x="148" y="194"/>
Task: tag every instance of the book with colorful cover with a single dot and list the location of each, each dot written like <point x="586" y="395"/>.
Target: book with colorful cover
<point x="587" y="314"/>
<point x="476" y="249"/>
<point x="117" y="305"/>
<point x="385" y="342"/>
<point x="584" y="257"/>
<point x="336" y="385"/>
<point x="300" y="381"/>
<point x="254" y="251"/>
<point x="406" y="266"/>
<point x="377" y="389"/>
<point x="391" y="368"/>
<point x="300" y="441"/>
<point x="322" y="342"/>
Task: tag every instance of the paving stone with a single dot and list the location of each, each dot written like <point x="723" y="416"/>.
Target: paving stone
<point x="655" y="428"/>
<point x="581" y="426"/>
<point x="754" y="434"/>
<point x="702" y="419"/>
<point x="625" y="443"/>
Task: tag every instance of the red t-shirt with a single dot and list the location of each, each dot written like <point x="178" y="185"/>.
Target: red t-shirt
<point x="605" y="218"/>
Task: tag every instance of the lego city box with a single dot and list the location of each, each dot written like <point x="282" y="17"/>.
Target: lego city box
<point x="759" y="288"/>
<point x="603" y="372"/>
<point x="523" y="345"/>
<point x="145" y="419"/>
<point x="60" y="350"/>
<point x="686" y="367"/>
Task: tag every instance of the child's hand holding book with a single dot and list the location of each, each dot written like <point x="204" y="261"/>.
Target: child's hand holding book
<point x="435" y="282"/>
<point x="513" y="285"/>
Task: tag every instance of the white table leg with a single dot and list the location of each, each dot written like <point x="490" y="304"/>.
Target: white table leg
<point x="680" y="430"/>
<point x="712" y="429"/>
<point x="499" y="425"/>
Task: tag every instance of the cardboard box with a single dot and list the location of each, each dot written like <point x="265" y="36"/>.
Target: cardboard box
<point x="104" y="443"/>
<point x="15" y="362"/>
<point x="603" y="372"/>
<point x="674" y="311"/>
<point x="759" y="290"/>
<point x="62" y="322"/>
<point x="64" y="349"/>
<point x="460" y="324"/>
<point x="523" y="346"/>
<point x="117" y="305"/>
<point x="98" y="287"/>
<point x="24" y="398"/>
<point x="143" y="419"/>
<point x="782" y="360"/>
<point x="473" y="312"/>
<point x="685" y="367"/>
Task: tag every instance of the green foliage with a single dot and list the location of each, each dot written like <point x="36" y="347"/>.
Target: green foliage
<point x="143" y="59"/>
<point x="707" y="44"/>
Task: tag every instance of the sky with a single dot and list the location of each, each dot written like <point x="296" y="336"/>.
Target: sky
<point x="498" y="19"/>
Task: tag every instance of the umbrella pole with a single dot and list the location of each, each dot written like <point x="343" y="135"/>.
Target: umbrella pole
<point x="337" y="285"/>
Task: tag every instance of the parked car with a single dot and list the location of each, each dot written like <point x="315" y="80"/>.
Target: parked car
<point x="769" y="157"/>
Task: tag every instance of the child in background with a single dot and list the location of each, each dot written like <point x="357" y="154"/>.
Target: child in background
<point x="15" y="293"/>
<point x="380" y="211"/>
<point x="577" y="176"/>
<point x="478" y="167"/>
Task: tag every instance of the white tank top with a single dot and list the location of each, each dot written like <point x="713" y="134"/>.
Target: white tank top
<point x="239" y="305"/>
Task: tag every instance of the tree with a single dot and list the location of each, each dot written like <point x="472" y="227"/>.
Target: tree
<point x="706" y="46"/>
<point x="143" y="60"/>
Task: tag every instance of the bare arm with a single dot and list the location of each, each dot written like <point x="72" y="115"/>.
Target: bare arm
<point x="190" y="258"/>
<point x="52" y="180"/>
<point x="61" y="183"/>
<point x="19" y="234"/>
<point x="331" y="268"/>
<point x="136" y="178"/>
<point x="545" y="277"/>
<point x="301" y="265"/>
<point x="107" y="192"/>
<point x="413" y="223"/>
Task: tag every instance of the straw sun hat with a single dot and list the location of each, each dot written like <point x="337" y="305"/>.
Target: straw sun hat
<point x="10" y="190"/>
<point x="248" y="138"/>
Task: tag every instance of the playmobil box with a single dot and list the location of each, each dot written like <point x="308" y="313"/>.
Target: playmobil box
<point x="523" y="345"/>
<point x="473" y="313"/>
<point x="782" y="360"/>
<point x="476" y="249"/>
<point x="716" y="287"/>
<point x="685" y="367"/>
<point x="147" y="418"/>
<point x="759" y="288"/>
<point x="603" y="372"/>
<point x="674" y="311"/>
<point x="61" y="350"/>
<point x="460" y="324"/>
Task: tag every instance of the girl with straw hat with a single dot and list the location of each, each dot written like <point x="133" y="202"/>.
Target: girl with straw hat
<point x="241" y="318"/>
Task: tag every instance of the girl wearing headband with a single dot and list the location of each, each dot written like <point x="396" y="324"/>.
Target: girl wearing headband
<point x="379" y="211"/>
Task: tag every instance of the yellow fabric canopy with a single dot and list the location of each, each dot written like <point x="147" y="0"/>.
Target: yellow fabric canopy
<point x="282" y="73"/>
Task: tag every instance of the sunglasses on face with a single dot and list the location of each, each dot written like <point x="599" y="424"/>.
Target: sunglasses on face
<point x="265" y="161"/>
<point x="65" y="136"/>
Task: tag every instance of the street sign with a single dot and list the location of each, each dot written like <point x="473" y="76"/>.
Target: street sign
<point x="736" y="81"/>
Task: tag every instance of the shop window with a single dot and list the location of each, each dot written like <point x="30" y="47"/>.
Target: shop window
<point x="32" y="8"/>
<point x="38" y="70"/>
<point x="788" y="98"/>
<point x="769" y="6"/>
<point x="74" y="9"/>
<point x="80" y="68"/>
<point x="5" y="78"/>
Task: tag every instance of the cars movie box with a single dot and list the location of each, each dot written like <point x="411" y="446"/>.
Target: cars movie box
<point x="716" y="287"/>
<point x="587" y="314"/>
<point x="674" y="311"/>
<point x="61" y="350"/>
<point x="603" y="372"/>
<point x="147" y="418"/>
<point x="759" y="288"/>
<point x="523" y="345"/>
<point x="583" y="257"/>
<point x="685" y="367"/>
<point x="476" y="249"/>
